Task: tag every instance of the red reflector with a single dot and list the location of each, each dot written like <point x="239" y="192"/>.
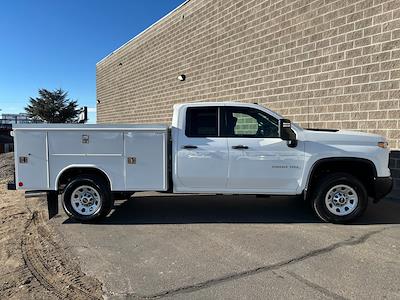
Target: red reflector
<point x="20" y="183"/>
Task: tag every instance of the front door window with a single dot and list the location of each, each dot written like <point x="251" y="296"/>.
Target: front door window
<point x="249" y="123"/>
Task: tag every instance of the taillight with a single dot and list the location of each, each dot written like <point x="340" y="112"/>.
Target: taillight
<point x="20" y="184"/>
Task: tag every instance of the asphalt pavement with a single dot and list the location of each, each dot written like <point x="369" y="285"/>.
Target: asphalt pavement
<point x="237" y="247"/>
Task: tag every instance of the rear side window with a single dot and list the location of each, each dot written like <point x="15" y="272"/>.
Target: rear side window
<point x="202" y="122"/>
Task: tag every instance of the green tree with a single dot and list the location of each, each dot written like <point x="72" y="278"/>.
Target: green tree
<point x="52" y="107"/>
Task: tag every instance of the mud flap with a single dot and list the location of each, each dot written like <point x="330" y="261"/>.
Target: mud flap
<point x="52" y="203"/>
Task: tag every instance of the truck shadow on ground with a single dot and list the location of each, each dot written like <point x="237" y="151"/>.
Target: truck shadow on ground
<point x="186" y="209"/>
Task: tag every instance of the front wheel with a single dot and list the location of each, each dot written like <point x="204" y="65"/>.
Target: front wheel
<point x="87" y="198"/>
<point x="339" y="198"/>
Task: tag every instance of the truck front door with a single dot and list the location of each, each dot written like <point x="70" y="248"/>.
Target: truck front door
<point x="202" y="156"/>
<point x="259" y="160"/>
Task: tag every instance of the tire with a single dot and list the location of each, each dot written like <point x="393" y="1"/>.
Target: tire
<point x="339" y="198"/>
<point x="87" y="198"/>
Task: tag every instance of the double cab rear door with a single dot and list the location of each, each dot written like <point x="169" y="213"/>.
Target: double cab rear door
<point x="235" y="149"/>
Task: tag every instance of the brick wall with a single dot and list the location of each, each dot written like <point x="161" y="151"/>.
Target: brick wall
<point x="321" y="63"/>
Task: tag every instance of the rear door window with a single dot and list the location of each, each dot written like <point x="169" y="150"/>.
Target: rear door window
<point x="202" y="122"/>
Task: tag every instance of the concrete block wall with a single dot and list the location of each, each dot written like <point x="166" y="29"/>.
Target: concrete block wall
<point x="321" y="63"/>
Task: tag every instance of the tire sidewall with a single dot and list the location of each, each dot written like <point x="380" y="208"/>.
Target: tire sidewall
<point x="93" y="182"/>
<point x="326" y="184"/>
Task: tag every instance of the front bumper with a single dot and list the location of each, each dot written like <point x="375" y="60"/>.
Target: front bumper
<point x="382" y="186"/>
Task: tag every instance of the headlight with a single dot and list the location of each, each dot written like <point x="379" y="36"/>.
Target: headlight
<point x="383" y="145"/>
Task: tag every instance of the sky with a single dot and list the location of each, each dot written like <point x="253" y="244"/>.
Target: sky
<point x="56" y="44"/>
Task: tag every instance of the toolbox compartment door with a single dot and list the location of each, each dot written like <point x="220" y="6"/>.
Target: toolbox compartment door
<point x="146" y="161"/>
<point x="31" y="160"/>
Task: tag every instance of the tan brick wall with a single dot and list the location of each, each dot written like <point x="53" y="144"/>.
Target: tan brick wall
<point x="321" y="63"/>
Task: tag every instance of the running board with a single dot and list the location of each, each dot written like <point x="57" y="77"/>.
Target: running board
<point x="35" y="194"/>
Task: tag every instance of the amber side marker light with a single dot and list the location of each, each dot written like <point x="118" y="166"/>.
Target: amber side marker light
<point x="383" y="144"/>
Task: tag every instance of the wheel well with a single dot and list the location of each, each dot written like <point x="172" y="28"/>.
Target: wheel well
<point x="72" y="173"/>
<point x="363" y="169"/>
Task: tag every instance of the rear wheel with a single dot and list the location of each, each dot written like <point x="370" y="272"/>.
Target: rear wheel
<point x="339" y="198"/>
<point x="87" y="198"/>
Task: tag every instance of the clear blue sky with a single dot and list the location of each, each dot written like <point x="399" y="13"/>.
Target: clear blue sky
<point x="56" y="44"/>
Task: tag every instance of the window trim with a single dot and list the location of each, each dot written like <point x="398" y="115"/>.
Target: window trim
<point x="218" y="121"/>
<point x="225" y="108"/>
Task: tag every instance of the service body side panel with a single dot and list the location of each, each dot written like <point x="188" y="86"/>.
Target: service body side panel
<point x="54" y="148"/>
<point x="97" y="149"/>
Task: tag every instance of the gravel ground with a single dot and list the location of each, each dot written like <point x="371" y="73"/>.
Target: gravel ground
<point x="6" y="167"/>
<point x="34" y="261"/>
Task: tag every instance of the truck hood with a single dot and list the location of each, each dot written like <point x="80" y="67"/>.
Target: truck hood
<point x="342" y="137"/>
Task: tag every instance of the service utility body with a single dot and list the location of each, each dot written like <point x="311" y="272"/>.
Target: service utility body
<point x="211" y="148"/>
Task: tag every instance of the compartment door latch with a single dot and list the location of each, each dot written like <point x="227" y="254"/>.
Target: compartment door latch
<point x="131" y="160"/>
<point x="85" y="139"/>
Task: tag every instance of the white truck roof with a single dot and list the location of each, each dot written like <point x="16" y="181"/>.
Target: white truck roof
<point x="227" y="103"/>
<point x="135" y="127"/>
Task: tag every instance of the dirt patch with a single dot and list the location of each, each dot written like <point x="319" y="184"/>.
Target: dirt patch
<point x="35" y="264"/>
<point x="6" y="167"/>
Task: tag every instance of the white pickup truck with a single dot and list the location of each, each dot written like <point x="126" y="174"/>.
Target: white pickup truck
<point x="214" y="148"/>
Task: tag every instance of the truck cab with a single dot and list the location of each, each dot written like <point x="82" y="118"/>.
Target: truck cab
<point x="234" y="148"/>
<point x="215" y="148"/>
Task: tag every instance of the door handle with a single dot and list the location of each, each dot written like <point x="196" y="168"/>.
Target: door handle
<point x="240" y="147"/>
<point x="189" y="147"/>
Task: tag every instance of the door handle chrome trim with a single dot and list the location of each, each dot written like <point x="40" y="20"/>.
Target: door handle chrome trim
<point x="189" y="147"/>
<point x="240" y="147"/>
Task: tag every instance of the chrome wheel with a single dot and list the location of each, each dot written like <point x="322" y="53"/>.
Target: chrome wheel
<point x="85" y="200"/>
<point x="341" y="200"/>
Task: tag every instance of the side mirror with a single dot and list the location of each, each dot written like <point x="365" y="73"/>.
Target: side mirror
<point x="286" y="132"/>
